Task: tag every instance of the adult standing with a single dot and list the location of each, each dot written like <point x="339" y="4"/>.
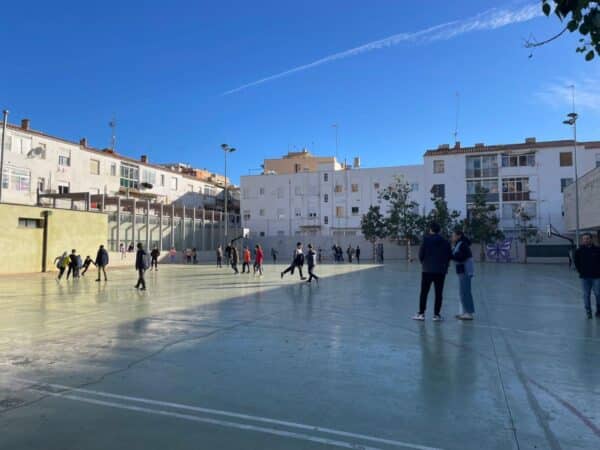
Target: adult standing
<point x="122" y="250"/>
<point x="101" y="262"/>
<point x="434" y="254"/>
<point x="141" y="265"/>
<point x="259" y="258"/>
<point x="357" y="254"/>
<point x="587" y="263"/>
<point x="219" y="257"/>
<point x="274" y="255"/>
<point x="234" y="258"/>
<point x="73" y="264"/>
<point x="311" y="262"/>
<point x="349" y="252"/>
<point x="154" y="254"/>
<point x="463" y="258"/>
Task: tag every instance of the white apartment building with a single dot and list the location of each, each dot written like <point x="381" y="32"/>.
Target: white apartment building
<point x="529" y="175"/>
<point x="34" y="161"/>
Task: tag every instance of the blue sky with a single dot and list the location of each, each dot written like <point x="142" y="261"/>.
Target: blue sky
<point x="163" y="67"/>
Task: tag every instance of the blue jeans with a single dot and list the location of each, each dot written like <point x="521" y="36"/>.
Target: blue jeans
<point x="588" y="285"/>
<point x="466" y="298"/>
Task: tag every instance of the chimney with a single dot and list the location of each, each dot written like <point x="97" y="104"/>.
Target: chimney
<point x="356" y="162"/>
<point x="457" y="145"/>
<point x="530" y="140"/>
<point x="83" y="142"/>
<point x="479" y="145"/>
<point x="144" y="159"/>
<point x="443" y="146"/>
<point x="25" y="124"/>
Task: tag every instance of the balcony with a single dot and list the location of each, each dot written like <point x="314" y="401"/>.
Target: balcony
<point x="489" y="197"/>
<point x="516" y="196"/>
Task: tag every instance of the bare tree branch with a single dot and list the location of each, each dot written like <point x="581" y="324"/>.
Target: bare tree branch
<point x="534" y="43"/>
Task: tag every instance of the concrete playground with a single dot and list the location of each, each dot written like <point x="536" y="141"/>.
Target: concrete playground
<point x="207" y="360"/>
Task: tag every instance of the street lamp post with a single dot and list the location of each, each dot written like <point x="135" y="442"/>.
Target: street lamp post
<point x="226" y="149"/>
<point x="572" y="121"/>
<point x="4" y="122"/>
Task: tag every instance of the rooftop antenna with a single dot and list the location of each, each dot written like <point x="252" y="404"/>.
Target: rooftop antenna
<point x="456" y="118"/>
<point x="335" y="125"/>
<point x="113" y="136"/>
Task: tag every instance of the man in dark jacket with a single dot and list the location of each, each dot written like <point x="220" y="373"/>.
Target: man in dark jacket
<point x="101" y="262"/>
<point x="141" y="266"/>
<point x="297" y="262"/>
<point x="311" y="262"/>
<point x="587" y="263"/>
<point x="434" y="254"/>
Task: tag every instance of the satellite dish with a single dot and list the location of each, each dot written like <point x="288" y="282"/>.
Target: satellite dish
<point x="37" y="151"/>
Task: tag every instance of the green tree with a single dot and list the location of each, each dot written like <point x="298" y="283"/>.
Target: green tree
<point x="582" y="16"/>
<point x="373" y="226"/>
<point x="448" y="220"/>
<point x="403" y="224"/>
<point x="526" y="231"/>
<point x="481" y="224"/>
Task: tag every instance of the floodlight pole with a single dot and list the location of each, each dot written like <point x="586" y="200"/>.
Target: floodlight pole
<point x="4" y="122"/>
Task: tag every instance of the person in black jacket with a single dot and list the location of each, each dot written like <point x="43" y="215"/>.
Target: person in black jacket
<point x="101" y="262"/>
<point x="234" y="258"/>
<point x="140" y="266"/>
<point x="154" y="254"/>
<point x="587" y="263"/>
<point x="463" y="260"/>
<point x="311" y="262"/>
<point x="297" y="262"/>
<point x="434" y="254"/>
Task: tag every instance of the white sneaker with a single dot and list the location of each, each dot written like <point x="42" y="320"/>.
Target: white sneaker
<point x="437" y="318"/>
<point x="420" y="317"/>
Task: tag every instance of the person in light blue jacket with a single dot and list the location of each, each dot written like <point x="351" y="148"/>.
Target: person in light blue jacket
<point x="465" y="269"/>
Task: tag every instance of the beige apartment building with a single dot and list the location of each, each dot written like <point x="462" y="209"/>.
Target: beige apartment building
<point x="297" y="162"/>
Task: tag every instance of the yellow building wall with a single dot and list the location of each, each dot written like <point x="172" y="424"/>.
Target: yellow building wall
<point x="22" y="248"/>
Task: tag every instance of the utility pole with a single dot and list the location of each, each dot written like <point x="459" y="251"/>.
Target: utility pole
<point x="572" y="121"/>
<point x="4" y="122"/>
<point x="113" y="135"/>
<point x="226" y="149"/>
<point x="335" y="125"/>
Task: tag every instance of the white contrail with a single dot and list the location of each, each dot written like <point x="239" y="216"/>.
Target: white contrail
<point x="488" y="20"/>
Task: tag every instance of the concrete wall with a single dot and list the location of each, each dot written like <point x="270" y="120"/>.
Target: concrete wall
<point x="589" y="201"/>
<point x="22" y="247"/>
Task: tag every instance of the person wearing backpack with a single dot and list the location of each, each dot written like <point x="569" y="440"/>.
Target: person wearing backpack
<point x="141" y="265"/>
<point x="62" y="262"/>
<point x="297" y="262"/>
<point x="101" y="262"/>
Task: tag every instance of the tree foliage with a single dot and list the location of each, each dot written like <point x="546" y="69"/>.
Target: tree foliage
<point x="582" y="16"/>
<point x="373" y="225"/>
<point x="403" y="224"/>
<point x="448" y="220"/>
<point x="481" y="224"/>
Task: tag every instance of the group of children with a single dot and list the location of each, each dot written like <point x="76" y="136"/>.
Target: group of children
<point x="233" y="258"/>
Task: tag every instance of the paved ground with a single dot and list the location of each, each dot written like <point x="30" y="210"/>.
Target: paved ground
<point x="207" y="360"/>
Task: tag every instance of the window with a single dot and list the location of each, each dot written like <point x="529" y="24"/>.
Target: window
<point x="298" y="190"/>
<point x="113" y="170"/>
<point x="24" y="146"/>
<point x="297" y="212"/>
<point x="514" y="210"/>
<point x="325" y="198"/>
<point x="94" y="167"/>
<point x="354" y="187"/>
<point x="261" y="212"/>
<point x="355" y="210"/>
<point x="439" y="190"/>
<point x="41" y="184"/>
<point x="246" y="214"/>
<point x="16" y="178"/>
<point x="597" y="159"/>
<point x="376" y="186"/>
<point x="491" y="186"/>
<point x="566" y="159"/>
<point x="30" y="223"/>
<point x="414" y="187"/>
<point x="339" y="211"/>
<point x="63" y="188"/>
<point x="280" y="213"/>
<point x="438" y="166"/>
<point x="262" y="234"/>
<point x="261" y="191"/>
<point x="564" y="182"/>
<point x="339" y="188"/>
<point x="130" y="176"/>
<point x="174" y="183"/>
<point x="325" y="220"/>
<point x="149" y="176"/>
<point x="8" y="142"/>
<point x="64" y="160"/>
<point x="297" y="168"/>
<point x="280" y="233"/>
<point x="162" y="180"/>
<point x="515" y="189"/>
<point x="312" y="214"/>
<point x="512" y="160"/>
<point x="482" y="166"/>
<point x="325" y="177"/>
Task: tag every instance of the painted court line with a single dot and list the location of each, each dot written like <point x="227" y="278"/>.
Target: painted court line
<point x="39" y="387"/>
